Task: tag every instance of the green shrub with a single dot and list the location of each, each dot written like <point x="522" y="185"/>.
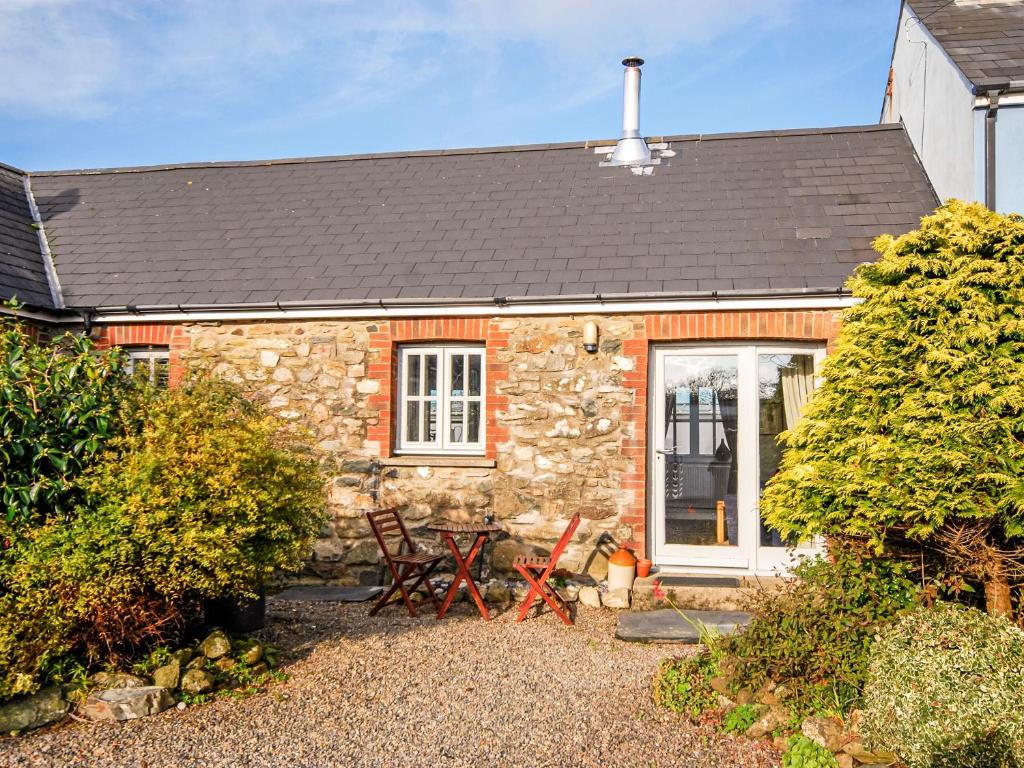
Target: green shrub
<point x="207" y="498"/>
<point x="740" y="718"/>
<point x="801" y="752"/>
<point x="684" y="685"/>
<point x="59" y="404"/>
<point x="814" y="635"/>
<point x="216" y="491"/>
<point x="915" y="430"/>
<point x="946" y="690"/>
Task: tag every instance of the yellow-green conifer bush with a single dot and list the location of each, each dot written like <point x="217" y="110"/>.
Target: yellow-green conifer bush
<point x="917" y="430"/>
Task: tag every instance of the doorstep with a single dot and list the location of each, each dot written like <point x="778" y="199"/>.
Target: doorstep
<point x="701" y="593"/>
<point x="668" y="625"/>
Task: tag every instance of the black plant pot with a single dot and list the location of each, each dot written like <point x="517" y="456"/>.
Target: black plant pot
<point x="238" y="614"/>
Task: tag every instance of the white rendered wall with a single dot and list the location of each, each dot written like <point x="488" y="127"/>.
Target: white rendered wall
<point x="936" y="103"/>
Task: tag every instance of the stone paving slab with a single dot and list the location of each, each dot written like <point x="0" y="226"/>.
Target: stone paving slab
<point x="308" y="594"/>
<point x="667" y="626"/>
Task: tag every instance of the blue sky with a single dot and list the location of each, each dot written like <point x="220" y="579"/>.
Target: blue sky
<point x="90" y="83"/>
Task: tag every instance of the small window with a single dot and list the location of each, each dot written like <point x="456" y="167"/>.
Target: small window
<point x="440" y="405"/>
<point x="150" y="362"/>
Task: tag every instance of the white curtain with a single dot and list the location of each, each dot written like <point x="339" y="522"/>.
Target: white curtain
<point x="797" y="386"/>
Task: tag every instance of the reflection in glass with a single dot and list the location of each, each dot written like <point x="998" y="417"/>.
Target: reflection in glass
<point x="473" y="426"/>
<point x="457" y="411"/>
<point x="412" y="421"/>
<point x="431" y="377"/>
<point x="785" y="384"/>
<point x="701" y="449"/>
<point x="474" y="375"/>
<point x="413" y="387"/>
<point x="429" y="421"/>
<point x="458" y="366"/>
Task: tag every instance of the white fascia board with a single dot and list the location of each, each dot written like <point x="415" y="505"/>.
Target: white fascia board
<point x="481" y="310"/>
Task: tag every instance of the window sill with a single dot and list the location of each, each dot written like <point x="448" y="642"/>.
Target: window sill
<point x="413" y="460"/>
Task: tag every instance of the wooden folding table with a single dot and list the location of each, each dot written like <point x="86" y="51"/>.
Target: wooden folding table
<point x="448" y="532"/>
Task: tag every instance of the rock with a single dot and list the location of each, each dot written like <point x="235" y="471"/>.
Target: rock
<point x="127" y="703"/>
<point x="260" y="669"/>
<point x="720" y="684"/>
<point x="224" y="663"/>
<point x="29" y="712"/>
<point x="519" y="593"/>
<point x="498" y="594"/>
<point x="590" y="597"/>
<point x="744" y="696"/>
<point x="773" y="718"/>
<point x="197" y="663"/>
<point x="252" y="655"/>
<point x="616" y="598"/>
<point x="824" y="731"/>
<point x="855" y="748"/>
<point x="215" y="645"/>
<point x="117" y="680"/>
<point x="196" y="681"/>
<point x="844" y="760"/>
<point x="168" y="675"/>
<point x="183" y="655"/>
<point x="766" y="695"/>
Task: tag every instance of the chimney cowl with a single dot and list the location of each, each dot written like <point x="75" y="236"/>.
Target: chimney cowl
<point x="631" y="149"/>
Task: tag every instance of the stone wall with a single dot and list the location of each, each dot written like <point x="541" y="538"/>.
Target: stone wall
<point x="565" y="428"/>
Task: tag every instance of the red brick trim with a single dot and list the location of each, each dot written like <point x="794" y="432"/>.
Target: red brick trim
<point x="746" y="326"/>
<point x="174" y="337"/>
<point x="382" y="368"/>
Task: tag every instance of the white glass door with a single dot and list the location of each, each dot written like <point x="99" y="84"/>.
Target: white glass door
<point x="716" y="413"/>
<point x="699" y="458"/>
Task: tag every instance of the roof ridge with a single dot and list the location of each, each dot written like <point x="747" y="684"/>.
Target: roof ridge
<point x="583" y="144"/>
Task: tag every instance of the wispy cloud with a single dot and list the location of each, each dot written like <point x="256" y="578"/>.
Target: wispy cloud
<point x="85" y="59"/>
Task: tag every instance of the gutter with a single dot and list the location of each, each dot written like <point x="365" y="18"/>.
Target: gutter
<point x="805" y="298"/>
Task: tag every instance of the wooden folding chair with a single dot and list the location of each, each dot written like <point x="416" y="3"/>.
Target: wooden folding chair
<point x="405" y="565"/>
<point x="537" y="571"/>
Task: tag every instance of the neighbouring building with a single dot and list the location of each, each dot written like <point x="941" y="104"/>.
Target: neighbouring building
<point x="619" y="328"/>
<point x="957" y="84"/>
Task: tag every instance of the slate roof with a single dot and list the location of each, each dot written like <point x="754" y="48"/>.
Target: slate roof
<point x="22" y="274"/>
<point x="986" y="39"/>
<point x="760" y="212"/>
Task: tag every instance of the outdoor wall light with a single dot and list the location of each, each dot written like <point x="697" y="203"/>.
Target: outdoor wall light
<point x="590" y="336"/>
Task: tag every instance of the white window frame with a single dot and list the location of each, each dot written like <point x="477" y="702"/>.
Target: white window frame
<point x="148" y="357"/>
<point x="443" y="443"/>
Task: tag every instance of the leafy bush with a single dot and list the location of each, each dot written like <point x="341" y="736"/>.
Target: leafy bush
<point x="740" y="718"/>
<point x="217" y="492"/>
<point x="801" y="752"/>
<point x="814" y="635"/>
<point x="916" y="428"/>
<point x="208" y="497"/>
<point x="684" y="685"/>
<point x="59" y="404"/>
<point x="946" y="690"/>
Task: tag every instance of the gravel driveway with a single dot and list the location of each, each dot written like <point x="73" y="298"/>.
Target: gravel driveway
<point x="394" y="691"/>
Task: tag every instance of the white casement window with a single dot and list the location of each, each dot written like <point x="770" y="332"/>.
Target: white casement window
<point x="440" y="403"/>
<point x="151" y="362"/>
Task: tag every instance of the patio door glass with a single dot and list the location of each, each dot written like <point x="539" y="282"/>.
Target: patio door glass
<point x="716" y="415"/>
<point x="699" y="456"/>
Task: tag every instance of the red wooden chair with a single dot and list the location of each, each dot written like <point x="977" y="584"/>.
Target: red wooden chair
<point x="406" y="565"/>
<point x="537" y="571"/>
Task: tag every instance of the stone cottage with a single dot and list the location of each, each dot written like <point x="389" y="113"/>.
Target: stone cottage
<point x="616" y="328"/>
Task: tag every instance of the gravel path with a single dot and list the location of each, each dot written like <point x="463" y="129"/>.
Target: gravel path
<point x="393" y="691"/>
